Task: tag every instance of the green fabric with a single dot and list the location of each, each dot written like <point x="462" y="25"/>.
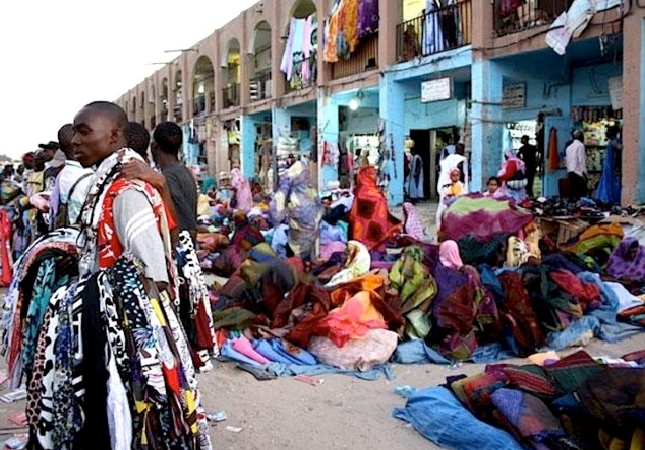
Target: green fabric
<point x="417" y="288"/>
<point x="236" y="318"/>
<point x="465" y="205"/>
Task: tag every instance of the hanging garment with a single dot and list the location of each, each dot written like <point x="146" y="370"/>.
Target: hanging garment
<point x="609" y="186"/>
<point x="552" y="151"/>
<point x="367" y="18"/>
<point x="415" y="188"/>
<point x="433" y="39"/>
<point x="5" y="248"/>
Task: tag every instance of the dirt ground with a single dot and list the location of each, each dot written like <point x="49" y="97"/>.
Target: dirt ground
<point x="341" y="413"/>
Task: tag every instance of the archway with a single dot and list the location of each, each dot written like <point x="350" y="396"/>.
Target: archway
<point x="261" y="76"/>
<point x="300" y="67"/>
<point x="178" y="97"/>
<point x="231" y="75"/>
<point x="203" y="86"/>
<point x="164" y="99"/>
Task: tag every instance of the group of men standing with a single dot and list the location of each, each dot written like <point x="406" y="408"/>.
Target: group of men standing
<point x="51" y="187"/>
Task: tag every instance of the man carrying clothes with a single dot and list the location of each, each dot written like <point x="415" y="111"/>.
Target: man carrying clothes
<point x="128" y="217"/>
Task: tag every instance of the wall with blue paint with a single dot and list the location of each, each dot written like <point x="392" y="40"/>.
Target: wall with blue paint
<point x="392" y="108"/>
<point x="247" y="151"/>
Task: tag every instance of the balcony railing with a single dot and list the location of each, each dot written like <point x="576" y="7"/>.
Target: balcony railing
<point x="363" y="59"/>
<point x="304" y="75"/>
<point x="445" y="29"/>
<point x="260" y="86"/>
<point x="231" y="96"/>
<point x="515" y="16"/>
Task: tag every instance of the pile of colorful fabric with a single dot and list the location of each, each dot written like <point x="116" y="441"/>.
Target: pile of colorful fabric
<point x="107" y="360"/>
<point x="497" y="290"/>
<point x="574" y="403"/>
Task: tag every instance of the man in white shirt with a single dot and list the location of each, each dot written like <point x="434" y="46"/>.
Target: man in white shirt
<point x="576" y="158"/>
<point x="71" y="185"/>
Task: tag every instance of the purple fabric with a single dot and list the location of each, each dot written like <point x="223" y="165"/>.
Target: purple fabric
<point x="620" y="267"/>
<point x="367" y="18"/>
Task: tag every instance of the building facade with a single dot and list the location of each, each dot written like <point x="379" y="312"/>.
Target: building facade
<point x="289" y="76"/>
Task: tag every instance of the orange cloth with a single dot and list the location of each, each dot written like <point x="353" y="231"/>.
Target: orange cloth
<point x="554" y="160"/>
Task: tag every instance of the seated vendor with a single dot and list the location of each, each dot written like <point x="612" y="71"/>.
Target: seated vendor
<point x="627" y="262"/>
<point x="225" y="192"/>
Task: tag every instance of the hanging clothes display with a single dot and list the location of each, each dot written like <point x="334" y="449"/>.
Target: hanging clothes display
<point x="552" y="154"/>
<point x="111" y="366"/>
<point x="348" y="23"/>
<point x="299" y="59"/>
<point x="433" y="40"/>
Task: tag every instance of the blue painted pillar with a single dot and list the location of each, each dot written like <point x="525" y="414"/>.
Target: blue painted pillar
<point x="281" y="123"/>
<point x="247" y="150"/>
<point x="328" y="131"/>
<point x="391" y="111"/>
<point x="486" y="119"/>
<point x="628" y="86"/>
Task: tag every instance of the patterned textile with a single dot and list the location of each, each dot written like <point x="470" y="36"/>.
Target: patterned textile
<point x="59" y="246"/>
<point x="195" y="306"/>
<point x="357" y="263"/>
<point x="243" y="196"/>
<point x="296" y="200"/>
<point x="416" y="288"/>
<point x="413" y="226"/>
<point x="370" y="221"/>
<point x="482" y="218"/>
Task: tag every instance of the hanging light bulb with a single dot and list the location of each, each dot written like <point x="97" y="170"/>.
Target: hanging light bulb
<point x="353" y="104"/>
<point x="200" y="88"/>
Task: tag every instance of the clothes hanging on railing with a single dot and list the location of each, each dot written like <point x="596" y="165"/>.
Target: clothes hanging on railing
<point x="433" y="40"/>
<point x="298" y="61"/>
<point x="349" y="21"/>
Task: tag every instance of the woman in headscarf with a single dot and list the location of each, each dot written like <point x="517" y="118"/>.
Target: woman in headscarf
<point x="513" y="175"/>
<point x="296" y="201"/>
<point x="243" y="196"/>
<point x="627" y="262"/>
<point x="412" y="223"/>
<point x="370" y="221"/>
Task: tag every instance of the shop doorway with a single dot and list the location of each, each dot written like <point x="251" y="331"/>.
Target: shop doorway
<point x="513" y="139"/>
<point x="430" y="144"/>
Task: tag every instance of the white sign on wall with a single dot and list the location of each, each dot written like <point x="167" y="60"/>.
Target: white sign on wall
<point x="436" y="90"/>
<point x="616" y="92"/>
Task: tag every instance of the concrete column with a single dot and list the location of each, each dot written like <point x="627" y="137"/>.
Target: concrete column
<point x="324" y="69"/>
<point x="633" y="180"/>
<point x="328" y="130"/>
<point x="278" y="81"/>
<point x="392" y="111"/>
<point x="486" y="118"/>
<point x="246" y="60"/>
<point x="247" y="148"/>
<point x="390" y="15"/>
<point x="186" y="89"/>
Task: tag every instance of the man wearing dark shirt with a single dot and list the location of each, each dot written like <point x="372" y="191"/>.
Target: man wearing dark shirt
<point x="529" y="154"/>
<point x="166" y="141"/>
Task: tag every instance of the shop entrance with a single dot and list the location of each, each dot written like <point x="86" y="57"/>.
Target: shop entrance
<point x="513" y="133"/>
<point x="429" y="144"/>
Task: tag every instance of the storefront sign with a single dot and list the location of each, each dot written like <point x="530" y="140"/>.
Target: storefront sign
<point x="514" y="96"/>
<point x="436" y="90"/>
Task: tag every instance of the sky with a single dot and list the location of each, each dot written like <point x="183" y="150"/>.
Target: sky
<point x="59" y="55"/>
